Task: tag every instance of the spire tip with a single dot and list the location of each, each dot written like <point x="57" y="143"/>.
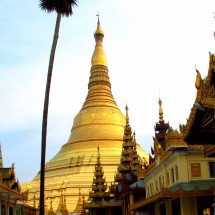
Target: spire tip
<point x="98" y="18"/>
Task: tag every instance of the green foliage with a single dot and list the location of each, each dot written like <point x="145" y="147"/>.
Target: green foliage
<point x="63" y="7"/>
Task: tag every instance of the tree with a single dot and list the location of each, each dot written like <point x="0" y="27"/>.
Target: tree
<point x="62" y="7"/>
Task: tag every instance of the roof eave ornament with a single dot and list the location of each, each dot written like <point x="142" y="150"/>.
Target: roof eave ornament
<point x="160" y="111"/>
<point x="198" y="80"/>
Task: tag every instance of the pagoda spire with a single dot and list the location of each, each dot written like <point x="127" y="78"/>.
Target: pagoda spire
<point x="51" y="211"/>
<point x="127" y="117"/>
<point x="127" y="130"/>
<point x="129" y="162"/>
<point x="161" y="127"/>
<point x="34" y="201"/>
<point x="79" y="207"/>
<point x="135" y="163"/>
<point x="99" y="187"/>
<point x="160" y="111"/>
<point x="60" y="205"/>
<point x="99" y="57"/>
<point x="1" y="158"/>
<point x="98" y="157"/>
<point x="64" y="210"/>
<point x="99" y="87"/>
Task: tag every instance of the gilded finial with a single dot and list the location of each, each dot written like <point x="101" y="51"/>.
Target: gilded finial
<point x="127" y="117"/>
<point x="98" y="156"/>
<point x="98" y="57"/>
<point x="98" y="18"/>
<point x="98" y="30"/>
<point x="135" y="143"/>
<point x="127" y="128"/>
<point x="51" y="211"/>
<point x="1" y="159"/>
<point x="160" y="111"/>
<point x="51" y="204"/>
<point x="34" y="201"/>
<point x="198" y="80"/>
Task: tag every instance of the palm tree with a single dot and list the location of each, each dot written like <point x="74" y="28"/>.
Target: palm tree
<point x="62" y="7"/>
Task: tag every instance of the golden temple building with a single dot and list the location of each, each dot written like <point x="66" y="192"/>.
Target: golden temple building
<point x="179" y="178"/>
<point x="99" y="123"/>
<point x="11" y="194"/>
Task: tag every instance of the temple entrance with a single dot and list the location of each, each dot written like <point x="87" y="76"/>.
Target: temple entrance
<point x="162" y="208"/>
<point x="204" y="202"/>
<point x="117" y="211"/>
<point x="3" y="211"/>
<point x="176" y="207"/>
<point x="10" y="211"/>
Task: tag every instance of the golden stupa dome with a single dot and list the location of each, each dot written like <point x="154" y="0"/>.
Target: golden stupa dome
<point x="100" y="117"/>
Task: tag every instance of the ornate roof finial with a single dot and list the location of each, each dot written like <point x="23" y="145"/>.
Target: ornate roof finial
<point x="135" y="143"/>
<point x="198" y="79"/>
<point x="98" y="18"/>
<point x="79" y="192"/>
<point x="127" y="117"/>
<point x="1" y="159"/>
<point x="127" y="129"/>
<point x="99" y="31"/>
<point x="160" y="111"/>
<point x="34" y="201"/>
<point x="99" y="57"/>
<point x="98" y="156"/>
<point x="51" y="211"/>
<point x="98" y="187"/>
<point x="161" y="127"/>
<point x="134" y="134"/>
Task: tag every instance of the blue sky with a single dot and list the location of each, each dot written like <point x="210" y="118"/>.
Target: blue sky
<point x="152" y="48"/>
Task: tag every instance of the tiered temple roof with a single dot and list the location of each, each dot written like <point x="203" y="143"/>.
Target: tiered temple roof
<point x="9" y="185"/>
<point x="99" y="186"/>
<point x="200" y="126"/>
<point x="130" y="166"/>
<point x="161" y="127"/>
<point x="99" y="198"/>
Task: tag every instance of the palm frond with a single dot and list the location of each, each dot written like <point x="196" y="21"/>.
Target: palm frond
<point x="60" y="6"/>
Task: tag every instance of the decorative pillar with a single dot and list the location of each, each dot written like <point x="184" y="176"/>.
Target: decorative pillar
<point x="0" y="207"/>
<point x="7" y="205"/>
<point x="131" y="200"/>
<point x="168" y="207"/>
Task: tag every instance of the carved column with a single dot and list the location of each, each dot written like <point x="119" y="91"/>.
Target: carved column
<point x="131" y="200"/>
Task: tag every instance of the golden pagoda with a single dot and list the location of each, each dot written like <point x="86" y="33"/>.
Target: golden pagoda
<point x="127" y="171"/>
<point x="99" y="122"/>
<point x="79" y="207"/>
<point x="100" y="200"/>
<point x="99" y="187"/>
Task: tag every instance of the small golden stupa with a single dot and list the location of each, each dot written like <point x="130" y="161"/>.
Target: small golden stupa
<point x="98" y="123"/>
